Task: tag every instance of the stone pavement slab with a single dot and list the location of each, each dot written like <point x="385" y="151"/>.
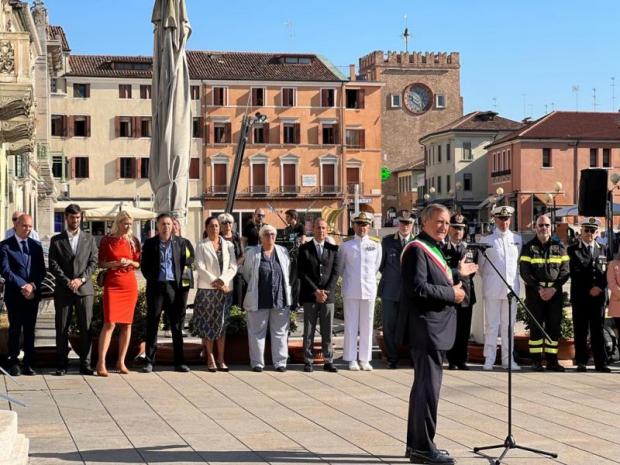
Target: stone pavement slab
<point x="243" y="417"/>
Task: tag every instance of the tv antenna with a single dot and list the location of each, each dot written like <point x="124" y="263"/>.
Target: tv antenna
<point x="575" y="90"/>
<point x="406" y="36"/>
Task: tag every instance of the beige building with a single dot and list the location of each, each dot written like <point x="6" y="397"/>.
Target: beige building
<point x="456" y="159"/>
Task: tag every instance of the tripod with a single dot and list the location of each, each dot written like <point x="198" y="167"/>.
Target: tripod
<point x="509" y="442"/>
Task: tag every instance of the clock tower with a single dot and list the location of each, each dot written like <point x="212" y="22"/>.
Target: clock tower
<point x="422" y="93"/>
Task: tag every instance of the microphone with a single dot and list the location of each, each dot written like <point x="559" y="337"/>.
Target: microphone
<point x="479" y="245"/>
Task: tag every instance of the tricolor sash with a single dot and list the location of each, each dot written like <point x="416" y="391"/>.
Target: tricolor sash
<point x="433" y="253"/>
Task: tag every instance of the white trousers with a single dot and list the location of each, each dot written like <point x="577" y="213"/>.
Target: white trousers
<point x="278" y="321"/>
<point x="496" y="322"/>
<point x="358" y="317"/>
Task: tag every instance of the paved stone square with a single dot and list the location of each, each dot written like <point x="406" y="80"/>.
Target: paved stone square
<point x="296" y="417"/>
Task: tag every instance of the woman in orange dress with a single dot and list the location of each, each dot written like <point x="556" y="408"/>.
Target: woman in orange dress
<point x="119" y="254"/>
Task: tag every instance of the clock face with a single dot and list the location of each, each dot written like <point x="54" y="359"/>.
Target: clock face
<point x="417" y="98"/>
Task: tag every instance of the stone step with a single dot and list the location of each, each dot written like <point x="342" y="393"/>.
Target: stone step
<point x="8" y="434"/>
<point x="19" y="453"/>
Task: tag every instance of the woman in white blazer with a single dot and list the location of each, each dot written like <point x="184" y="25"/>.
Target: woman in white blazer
<point x="216" y="267"/>
<point x="266" y="269"/>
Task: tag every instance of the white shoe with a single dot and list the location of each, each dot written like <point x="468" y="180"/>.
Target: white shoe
<point x="487" y="366"/>
<point x="366" y="366"/>
<point x="515" y="366"/>
<point x="353" y="366"/>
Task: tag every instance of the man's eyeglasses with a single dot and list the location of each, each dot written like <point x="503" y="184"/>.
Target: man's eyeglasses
<point x="544" y="225"/>
<point x="259" y="215"/>
<point x="589" y="230"/>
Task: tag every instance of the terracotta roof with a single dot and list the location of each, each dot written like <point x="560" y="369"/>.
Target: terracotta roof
<point x="478" y="121"/>
<point x="58" y="33"/>
<point x="214" y="66"/>
<point x="569" y="125"/>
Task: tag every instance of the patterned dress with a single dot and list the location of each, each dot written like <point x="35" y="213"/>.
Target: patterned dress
<point x="211" y="310"/>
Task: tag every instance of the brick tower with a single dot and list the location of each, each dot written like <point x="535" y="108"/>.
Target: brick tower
<point x="422" y="93"/>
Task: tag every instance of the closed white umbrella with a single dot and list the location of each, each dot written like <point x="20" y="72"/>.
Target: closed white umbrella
<point x="171" y="137"/>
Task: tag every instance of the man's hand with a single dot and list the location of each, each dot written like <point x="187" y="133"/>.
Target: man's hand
<point x="596" y="291"/>
<point x="28" y="291"/>
<point x="459" y="293"/>
<point x="547" y="293"/>
<point x="466" y="269"/>
<point x="75" y="284"/>
<point x="218" y="284"/>
<point x="320" y="295"/>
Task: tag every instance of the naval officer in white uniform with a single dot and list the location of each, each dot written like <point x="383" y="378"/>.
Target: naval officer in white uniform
<point x="506" y="247"/>
<point x="359" y="263"/>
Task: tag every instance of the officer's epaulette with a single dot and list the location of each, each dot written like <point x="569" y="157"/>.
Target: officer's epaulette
<point x="374" y="238"/>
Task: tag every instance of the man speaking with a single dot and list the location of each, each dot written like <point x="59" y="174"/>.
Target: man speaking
<point x="427" y="308"/>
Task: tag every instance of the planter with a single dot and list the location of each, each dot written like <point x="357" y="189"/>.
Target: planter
<point x="238" y="350"/>
<point x="191" y="353"/>
<point x="566" y="352"/>
<point x="296" y="351"/>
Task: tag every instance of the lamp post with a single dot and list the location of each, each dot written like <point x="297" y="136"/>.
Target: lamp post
<point x="550" y="197"/>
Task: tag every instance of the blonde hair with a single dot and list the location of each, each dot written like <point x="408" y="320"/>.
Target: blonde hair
<point x="116" y="229"/>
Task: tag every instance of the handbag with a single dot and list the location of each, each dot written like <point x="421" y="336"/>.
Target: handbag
<point x="101" y="277"/>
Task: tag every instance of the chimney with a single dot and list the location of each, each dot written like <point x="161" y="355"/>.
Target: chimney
<point x="352" y="72"/>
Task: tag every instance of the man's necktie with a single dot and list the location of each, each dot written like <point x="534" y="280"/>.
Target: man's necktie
<point x="25" y="250"/>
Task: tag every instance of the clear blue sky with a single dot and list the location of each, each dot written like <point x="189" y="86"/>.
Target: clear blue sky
<point x="524" y="53"/>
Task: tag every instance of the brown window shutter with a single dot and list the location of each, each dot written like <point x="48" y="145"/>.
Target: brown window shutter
<point x="360" y="98"/>
<point x="336" y="136"/>
<point x="65" y="125"/>
<point x="297" y="133"/>
<point x="117" y="126"/>
<point x="228" y="133"/>
<point x="266" y="132"/>
<point x="120" y="91"/>
<point x="70" y="127"/>
<point x="72" y="167"/>
<point x="201" y="127"/>
<point x="320" y="134"/>
<point x="253" y="97"/>
<point x="194" y="168"/>
<point x="206" y="130"/>
<point x="362" y="139"/>
<point x="87" y="124"/>
<point x="138" y="167"/>
<point x="134" y="168"/>
<point x="278" y="134"/>
<point x="87" y="92"/>
<point x="137" y="126"/>
<point x="75" y="87"/>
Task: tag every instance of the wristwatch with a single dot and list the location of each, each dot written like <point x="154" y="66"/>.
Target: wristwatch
<point x="83" y="280"/>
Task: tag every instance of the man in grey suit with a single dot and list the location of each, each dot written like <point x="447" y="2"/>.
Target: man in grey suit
<point x="72" y="261"/>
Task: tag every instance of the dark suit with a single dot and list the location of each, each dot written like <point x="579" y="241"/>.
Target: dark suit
<point x="65" y="266"/>
<point x="427" y="307"/>
<point x="317" y="273"/>
<point x="168" y="296"/>
<point x="588" y="270"/>
<point x="457" y="354"/>
<point x="389" y="290"/>
<point x="19" y="269"/>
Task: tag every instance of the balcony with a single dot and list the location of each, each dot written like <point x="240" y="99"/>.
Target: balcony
<point x="290" y="191"/>
<point x="497" y="174"/>
<point x="216" y="191"/>
<point x="351" y="187"/>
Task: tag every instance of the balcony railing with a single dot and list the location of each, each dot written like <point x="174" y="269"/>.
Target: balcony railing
<point x="217" y="190"/>
<point x="289" y="190"/>
<point x="286" y="191"/>
<point x="496" y="174"/>
<point x="351" y="187"/>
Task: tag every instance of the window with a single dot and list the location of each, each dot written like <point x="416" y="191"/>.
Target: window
<point x="144" y="168"/>
<point x="593" y="157"/>
<point x="220" y="177"/>
<point x="195" y="92"/>
<point x="124" y="126"/>
<point x="395" y="100"/>
<point x="219" y="96"/>
<point x="606" y="158"/>
<point x="81" y="90"/>
<point x="58" y="125"/>
<point x="440" y="101"/>
<point x="448" y="183"/>
<point x="448" y="152"/>
<point x="289" y="178"/>
<point x="258" y="136"/>
<point x="258" y="96"/>
<point x="145" y="91"/>
<point x="291" y="132"/>
<point x="127" y="168"/>
<point x="80" y="167"/>
<point x="124" y="91"/>
<point x="221" y="133"/>
<point x="59" y="221"/>
<point x="81" y="126"/>
<point x="197" y="127"/>
<point x="354" y="98"/>
<point x="354" y="138"/>
<point x="328" y="178"/>
<point x="546" y="158"/>
<point x="439" y="154"/>
<point x="467" y="156"/>
<point x="145" y="127"/>
<point x="54" y="85"/>
<point x="439" y="184"/>
<point x="293" y="60"/>
<point x="467" y="182"/>
<point x="194" y="168"/>
<point x="59" y="167"/>
<point x="329" y="134"/>
<point x="328" y="98"/>
<point x="288" y="96"/>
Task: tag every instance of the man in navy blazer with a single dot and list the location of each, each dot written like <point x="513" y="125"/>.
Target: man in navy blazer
<point x="23" y="268"/>
<point x="429" y="293"/>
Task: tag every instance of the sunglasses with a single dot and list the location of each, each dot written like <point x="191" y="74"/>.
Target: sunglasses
<point x="260" y="216"/>
<point x="544" y="225"/>
<point x="226" y="222"/>
<point x="589" y="230"/>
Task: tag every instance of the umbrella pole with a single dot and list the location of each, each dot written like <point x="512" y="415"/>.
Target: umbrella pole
<point x="234" y="179"/>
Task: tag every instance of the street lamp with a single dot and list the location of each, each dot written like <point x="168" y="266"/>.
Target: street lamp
<point x="550" y="197"/>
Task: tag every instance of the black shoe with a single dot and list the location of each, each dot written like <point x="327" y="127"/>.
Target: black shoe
<point x="60" y="372"/>
<point x="330" y="367"/>
<point x="537" y="366"/>
<point x="28" y="371"/>
<point x="147" y="368"/>
<point x="182" y="368"/>
<point x="603" y="369"/>
<point x="308" y="367"/>
<point x="452" y="366"/>
<point x="555" y="367"/>
<point x="15" y="370"/>
<point x="407" y="452"/>
<point x="281" y="369"/>
<point x="257" y="369"/>
<point x="581" y="368"/>
<point x="463" y="366"/>
<point x="392" y="365"/>
<point x="87" y="371"/>
<point x="434" y="457"/>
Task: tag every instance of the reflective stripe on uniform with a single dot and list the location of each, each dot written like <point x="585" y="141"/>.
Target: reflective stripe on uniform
<point x="524" y="258"/>
<point x="542" y="261"/>
<point x="550" y="350"/>
<point x="535" y="342"/>
<point x="551" y="343"/>
<point x="536" y="350"/>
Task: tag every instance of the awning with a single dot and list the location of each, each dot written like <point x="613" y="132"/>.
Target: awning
<point x="486" y="202"/>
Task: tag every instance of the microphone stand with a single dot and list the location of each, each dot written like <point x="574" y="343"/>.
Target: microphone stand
<point x="510" y="443"/>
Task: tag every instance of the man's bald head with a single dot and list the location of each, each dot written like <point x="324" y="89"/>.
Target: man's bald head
<point x="23" y="226"/>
